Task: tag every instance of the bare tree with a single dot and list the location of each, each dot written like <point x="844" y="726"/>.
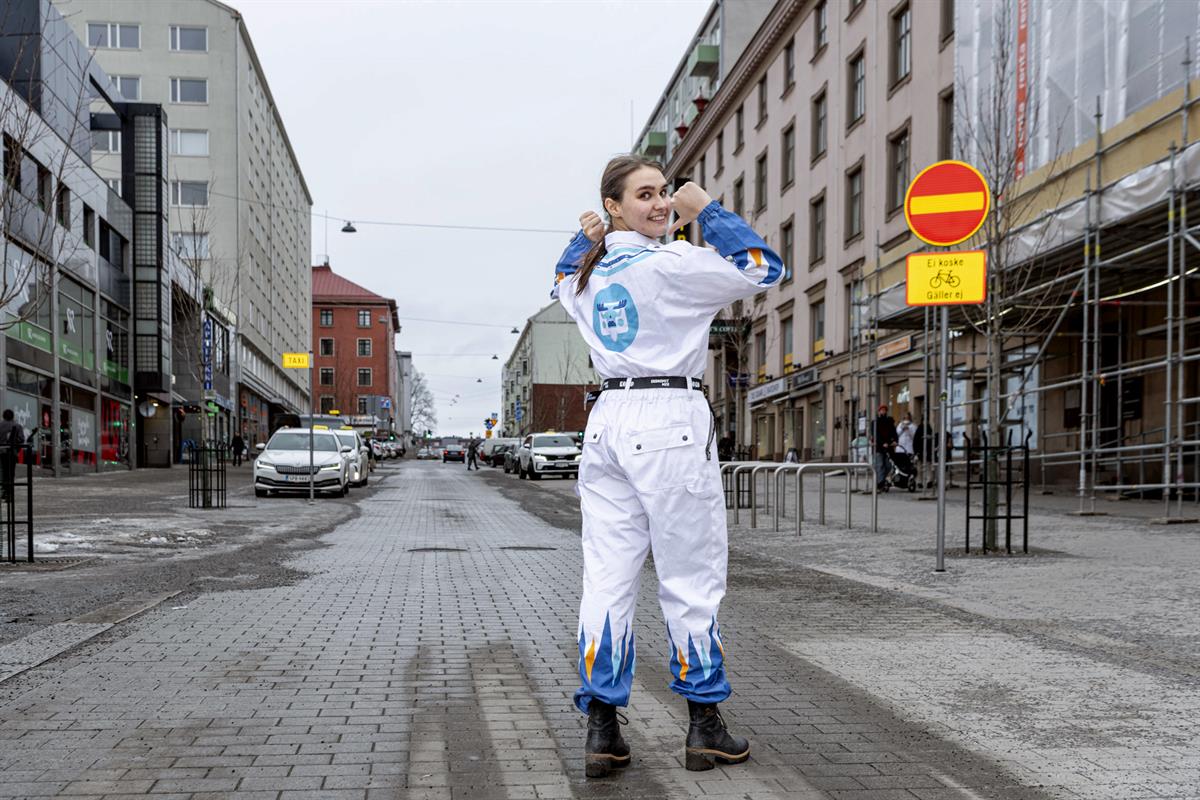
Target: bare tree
<point x="997" y="123"/>
<point x="424" y="413"/>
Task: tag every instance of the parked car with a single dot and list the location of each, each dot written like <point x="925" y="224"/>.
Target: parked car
<point x="453" y="450"/>
<point x="548" y="454"/>
<point x="424" y="453"/>
<point x="282" y="464"/>
<point x="511" y="459"/>
<point x="490" y="447"/>
<point x="360" y="459"/>
<point x="391" y="450"/>
<point x="496" y="459"/>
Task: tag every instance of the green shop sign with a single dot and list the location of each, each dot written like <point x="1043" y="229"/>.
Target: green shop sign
<point x="70" y="352"/>
<point x="31" y="335"/>
<point x="116" y="372"/>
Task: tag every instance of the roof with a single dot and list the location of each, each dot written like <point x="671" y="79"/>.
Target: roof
<point x="327" y="285"/>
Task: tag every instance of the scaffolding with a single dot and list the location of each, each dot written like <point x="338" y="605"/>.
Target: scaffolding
<point x="1137" y="260"/>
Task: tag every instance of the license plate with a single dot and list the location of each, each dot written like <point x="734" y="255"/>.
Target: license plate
<point x="562" y="464"/>
<point x="296" y="478"/>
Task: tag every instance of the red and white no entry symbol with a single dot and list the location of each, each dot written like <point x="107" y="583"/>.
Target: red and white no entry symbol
<point x="946" y="203"/>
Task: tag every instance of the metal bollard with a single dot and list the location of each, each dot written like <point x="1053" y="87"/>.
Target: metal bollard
<point x="849" y="494"/>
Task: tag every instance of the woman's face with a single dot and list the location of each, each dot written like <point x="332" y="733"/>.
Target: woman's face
<point x="645" y="206"/>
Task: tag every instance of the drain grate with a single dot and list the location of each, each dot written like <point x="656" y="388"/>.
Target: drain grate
<point x="437" y="550"/>
<point x="525" y="547"/>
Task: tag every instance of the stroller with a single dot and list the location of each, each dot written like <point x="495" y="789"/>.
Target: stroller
<point x="904" y="472"/>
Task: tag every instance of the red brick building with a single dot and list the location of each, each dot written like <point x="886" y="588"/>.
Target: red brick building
<point x="354" y="347"/>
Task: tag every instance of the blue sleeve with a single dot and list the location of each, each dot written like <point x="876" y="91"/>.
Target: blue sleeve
<point x="739" y="244"/>
<point x="570" y="260"/>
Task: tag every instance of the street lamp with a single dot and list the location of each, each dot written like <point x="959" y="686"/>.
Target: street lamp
<point x="349" y="228"/>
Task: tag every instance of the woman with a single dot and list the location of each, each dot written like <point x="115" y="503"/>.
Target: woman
<point x="649" y="479"/>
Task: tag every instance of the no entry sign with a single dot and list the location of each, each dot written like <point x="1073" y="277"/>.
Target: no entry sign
<point x="946" y="203"/>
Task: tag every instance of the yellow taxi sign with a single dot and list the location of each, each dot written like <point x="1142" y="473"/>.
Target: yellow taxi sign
<point x="320" y="427"/>
<point x="347" y="428"/>
<point x="946" y="279"/>
<point x="295" y="360"/>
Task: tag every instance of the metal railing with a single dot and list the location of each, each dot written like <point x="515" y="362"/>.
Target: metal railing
<point x="731" y="479"/>
<point x="206" y="475"/>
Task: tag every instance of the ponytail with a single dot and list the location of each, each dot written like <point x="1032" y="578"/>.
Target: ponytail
<point x="590" y="260"/>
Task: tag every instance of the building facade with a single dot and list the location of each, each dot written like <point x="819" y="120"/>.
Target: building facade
<point x="240" y="211"/>
<point x="354" y="334"/>
<point x="547" y="376"/>
<point x="813" y="134"/>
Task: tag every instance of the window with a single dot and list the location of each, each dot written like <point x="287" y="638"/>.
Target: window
<point x="820" y="125"/>
<point x="762" y="101"/>
<point x="946" y="124"/>
<point x="901" y="64"/>
<point x="720" y="154"/>
<point x="856" y="101"/>
<point x="189" y="90"/>
<point x="787" y="335"/>
<point x="739" y="129"/>
<point x="326" y="403"/>
<point x="12" y="163"/>
<point x="45" y="187"/>
<point x="189" y="39"/>
<point x="62" y="206"/>
<point x="364" y="376"/>
<point x="703" y="170"/>
<point x="114" y="184"/>
<point x="760" y="354"/>
<point x="189" y="142"/>
<point x="947" y="26"/>
<point x="130" y="86"/>
<point x="787" y="247"/>
<point x="364" y="318"/>
<point x="190" y="245"/>
<point x="364" y="347"/>
<point x="189" y="193"/>
<point x="89" y="227"/>
<point x="739" y="196"/>
<point x="854" y="203"/>
<point x="820" y="28"/>
<point x="816" y="230"/>
<point x="326" y="317"/>
<point x="326" y="347"/>
<point x="817" y="315"/>
<point x="114" y="35"/>
<point x="760" y="182"/>
<point x="327" y="376"/>
<point x="362" y="405"/>
<point x="787" y="173"/>
<point x="789" y="66"/>
<point x="897" y="181"/>
<point x="106" y="141"/>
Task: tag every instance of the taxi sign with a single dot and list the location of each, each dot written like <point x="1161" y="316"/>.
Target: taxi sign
<point x="295" y="360"/>
<point x="946" y="203"/>
<point x="320" y="427"/>
<point x="947" y="279"/>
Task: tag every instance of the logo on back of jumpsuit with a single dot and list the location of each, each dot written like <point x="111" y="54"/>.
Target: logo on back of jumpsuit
<point x="615" y="317"/>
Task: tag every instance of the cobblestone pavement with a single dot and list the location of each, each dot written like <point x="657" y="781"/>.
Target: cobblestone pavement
<point x="429" y="653"/>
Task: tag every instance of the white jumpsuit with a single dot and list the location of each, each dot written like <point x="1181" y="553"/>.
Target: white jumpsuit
<point x="649" y="479"/>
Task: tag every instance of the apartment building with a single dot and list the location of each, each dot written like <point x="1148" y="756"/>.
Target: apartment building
<point x="240" y="211"/>
<point x="354" y="334"/>
<point x="546" y="377"/>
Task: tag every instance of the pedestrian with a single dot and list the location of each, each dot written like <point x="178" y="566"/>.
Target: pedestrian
<point x="472" y="452"/>
<point x="649" y="480"/>
<point x="883" y="436"/>
<point x="792" y="456"/>
<point x="12" y="436"/>
<point x="237" y="445"/>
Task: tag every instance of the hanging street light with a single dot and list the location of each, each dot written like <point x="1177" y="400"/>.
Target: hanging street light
<point x="349" y="228"/>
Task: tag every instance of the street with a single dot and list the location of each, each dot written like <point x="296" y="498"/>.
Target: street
<point x="422" y="647"/>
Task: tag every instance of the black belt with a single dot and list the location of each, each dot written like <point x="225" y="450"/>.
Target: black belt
<point x="671" y="382"/>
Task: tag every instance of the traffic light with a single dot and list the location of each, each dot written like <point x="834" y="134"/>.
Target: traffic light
<point x="391" y="437"/>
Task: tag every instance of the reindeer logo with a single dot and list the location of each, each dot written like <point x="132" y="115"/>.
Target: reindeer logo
<point x="615" y="319"/>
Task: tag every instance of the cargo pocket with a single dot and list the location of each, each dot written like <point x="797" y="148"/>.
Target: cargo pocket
<point x="662" y="458"/>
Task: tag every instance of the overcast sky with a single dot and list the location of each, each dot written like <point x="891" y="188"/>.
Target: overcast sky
<point x="493" y="113"/>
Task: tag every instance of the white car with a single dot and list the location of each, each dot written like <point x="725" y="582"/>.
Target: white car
<point x="548" y="454"/>
<point x="282" y="464"/>
<point x="360" y="461"/>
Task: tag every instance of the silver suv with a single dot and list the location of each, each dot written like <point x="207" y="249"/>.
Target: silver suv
<point x="548" y="454"/>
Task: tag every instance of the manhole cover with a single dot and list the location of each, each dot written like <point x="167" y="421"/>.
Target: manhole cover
<point x="45" y="564"/>
<point x="525" y="547"/>
<point x="437" y="550"/>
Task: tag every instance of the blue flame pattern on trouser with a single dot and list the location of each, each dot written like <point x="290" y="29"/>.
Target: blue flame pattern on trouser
<point x="646" y="484"/>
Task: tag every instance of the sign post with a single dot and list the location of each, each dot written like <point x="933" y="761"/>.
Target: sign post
<point x="305" y="361"/>
<point x="946" y="204"/>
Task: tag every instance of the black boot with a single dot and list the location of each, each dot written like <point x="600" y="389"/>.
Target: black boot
<point x="605" y="748"/>
<point x="709" y="742"/>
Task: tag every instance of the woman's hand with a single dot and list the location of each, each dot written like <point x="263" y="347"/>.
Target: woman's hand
<point x="593" y="226"/>
<point x="688" y="202"/>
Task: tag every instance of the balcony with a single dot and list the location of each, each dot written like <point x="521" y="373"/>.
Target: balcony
<point x="704" y="61"/>
<point x="655" y="143"/>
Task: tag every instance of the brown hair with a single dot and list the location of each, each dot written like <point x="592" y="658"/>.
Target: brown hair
<point x="612" y="187"/>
